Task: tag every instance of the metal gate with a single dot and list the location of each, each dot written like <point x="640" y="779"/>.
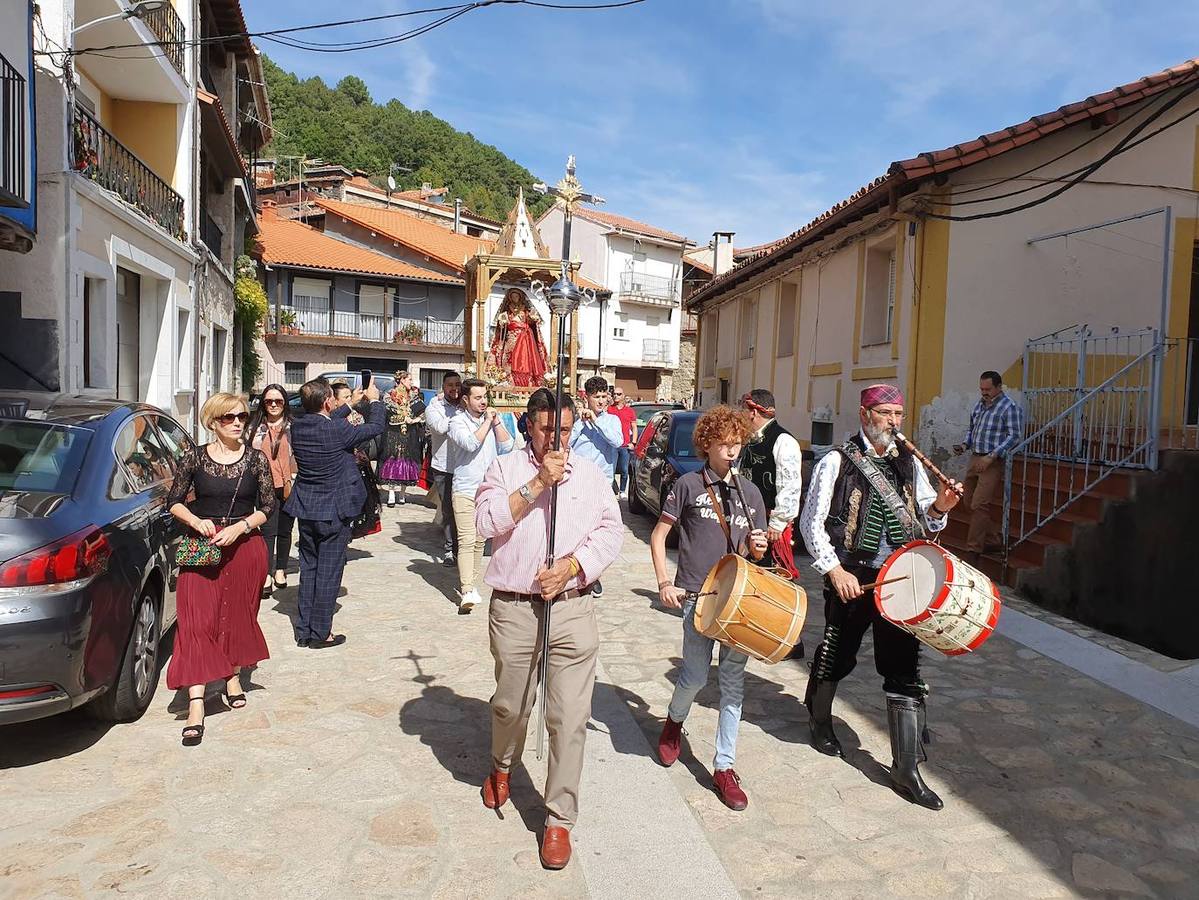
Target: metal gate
<point x="1117" y="373"/>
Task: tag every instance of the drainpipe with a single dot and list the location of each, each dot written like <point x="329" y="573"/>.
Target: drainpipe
<point x="200" y="269"/>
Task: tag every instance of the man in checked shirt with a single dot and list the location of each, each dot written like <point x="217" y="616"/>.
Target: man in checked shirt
<point x="996" y="426"/>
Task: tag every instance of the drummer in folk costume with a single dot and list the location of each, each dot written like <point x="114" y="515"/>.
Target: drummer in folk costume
<point x="717" y="512"/>
<point x="868" y="498"/>
<point x="772" y="460"/>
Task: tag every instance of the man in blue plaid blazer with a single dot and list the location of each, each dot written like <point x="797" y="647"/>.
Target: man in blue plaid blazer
<point x="327" y="496"/>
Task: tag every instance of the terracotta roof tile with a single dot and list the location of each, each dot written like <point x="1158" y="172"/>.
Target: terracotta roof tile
<point x="626" y="224"/>
<point x="699" y="264"/>
<point x="286" y="243"/>
<point x="934" y="162"/>
<point x="424" y="237"/>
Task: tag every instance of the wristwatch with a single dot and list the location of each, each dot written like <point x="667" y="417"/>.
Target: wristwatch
<point x="525" y="494"/>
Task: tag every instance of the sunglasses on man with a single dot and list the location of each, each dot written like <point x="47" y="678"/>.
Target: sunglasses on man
<point x="230" y="418"/>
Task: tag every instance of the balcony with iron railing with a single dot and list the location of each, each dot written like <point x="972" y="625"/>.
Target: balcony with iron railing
<point x="99" y="156"/>
<point x="312" y="316"/>
<point x="13" y="137"/>
<point x="166" y="25"/>
<point x="656" y="352"/>
<point x="654" y="290"/>
<point x="211" y="234"/>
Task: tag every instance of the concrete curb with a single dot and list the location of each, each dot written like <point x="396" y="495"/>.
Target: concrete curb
<point x="642" y="839"/>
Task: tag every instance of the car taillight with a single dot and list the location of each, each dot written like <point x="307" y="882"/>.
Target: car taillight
<point x="80" y="555"/>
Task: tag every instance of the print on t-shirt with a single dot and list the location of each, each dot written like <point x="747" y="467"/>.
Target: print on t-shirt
<point x="702" y="541"/>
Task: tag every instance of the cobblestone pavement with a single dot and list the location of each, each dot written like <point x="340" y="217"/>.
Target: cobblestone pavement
<point x="355" y="772"/>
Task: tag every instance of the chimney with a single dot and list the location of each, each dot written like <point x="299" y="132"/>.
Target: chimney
<point x="268" y="210"/>
<point x="722" y="252"/>
<point x="457" y="215"/>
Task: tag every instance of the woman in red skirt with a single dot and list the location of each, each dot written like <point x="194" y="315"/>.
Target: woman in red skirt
<point x="217" y="631"/>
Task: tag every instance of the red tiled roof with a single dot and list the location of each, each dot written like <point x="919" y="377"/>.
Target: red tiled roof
<point x="702" y="266"/>
<point x="988" y="146"/>
<point x="626" y="224"/>
<point x="424" y="237"/>
<point x="741" y="253"/>
<point x="418" y="196"/>
<point x="286" y="243"/>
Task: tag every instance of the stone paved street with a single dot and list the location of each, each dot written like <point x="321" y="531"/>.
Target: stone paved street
<point x="356" y="771"/>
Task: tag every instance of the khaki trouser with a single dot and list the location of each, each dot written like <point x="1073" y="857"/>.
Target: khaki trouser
<point x="470" y="548"/>
<point x="515" y="627"/>
<point x="983" y="484"/>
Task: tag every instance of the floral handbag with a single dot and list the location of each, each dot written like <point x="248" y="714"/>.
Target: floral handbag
<point x="198" y="551"/>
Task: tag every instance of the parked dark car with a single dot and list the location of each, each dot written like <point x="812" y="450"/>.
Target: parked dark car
<point x="646" y="411"/>
<point x="87" y="570"/>
<point x="666" y="454"/>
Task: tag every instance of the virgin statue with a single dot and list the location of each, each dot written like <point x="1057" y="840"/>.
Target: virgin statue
<point x="517" y="349"/>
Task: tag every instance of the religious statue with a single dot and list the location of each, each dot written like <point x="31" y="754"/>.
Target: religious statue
<point x="517" y="349"/>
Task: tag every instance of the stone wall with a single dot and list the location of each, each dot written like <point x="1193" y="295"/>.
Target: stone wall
<point x="684" y="376"/>
<point x="1130" y="575"/>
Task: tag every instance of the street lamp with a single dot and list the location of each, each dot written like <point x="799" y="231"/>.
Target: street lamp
<point x="138" y="10"/>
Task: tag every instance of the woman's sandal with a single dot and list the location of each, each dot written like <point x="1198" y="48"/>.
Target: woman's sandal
<point x="235" y="701"/>
<point x="193" y="734"/>
<point x="280" y="584"/>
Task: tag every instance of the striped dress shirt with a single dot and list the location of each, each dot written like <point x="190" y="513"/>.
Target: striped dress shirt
<point x="996" y="428"/>
<point x="589" y="524"/>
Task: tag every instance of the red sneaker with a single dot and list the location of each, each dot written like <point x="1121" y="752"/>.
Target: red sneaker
<point x="728" y="789"/>
<point x="670" y="744"/>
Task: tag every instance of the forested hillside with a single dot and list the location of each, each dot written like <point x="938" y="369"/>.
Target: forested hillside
<point x="344" y="125"/>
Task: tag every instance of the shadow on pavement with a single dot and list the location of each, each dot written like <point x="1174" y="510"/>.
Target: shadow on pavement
<point x="30" y="743"/>
<point x="437" y="576"/>
<point x="458" y="731"/>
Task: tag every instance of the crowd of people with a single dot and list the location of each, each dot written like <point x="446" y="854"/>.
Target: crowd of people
<point x="267" y="472"/>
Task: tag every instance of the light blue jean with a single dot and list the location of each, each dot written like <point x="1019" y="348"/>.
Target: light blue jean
<point x="730" y="675"/>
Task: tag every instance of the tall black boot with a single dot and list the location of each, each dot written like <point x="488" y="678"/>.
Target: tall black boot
<point x="903" y="721"/>
<point x="819" y="701"/>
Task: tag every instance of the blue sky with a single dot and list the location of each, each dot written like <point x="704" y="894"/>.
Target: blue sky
<point x="750" y="116"/>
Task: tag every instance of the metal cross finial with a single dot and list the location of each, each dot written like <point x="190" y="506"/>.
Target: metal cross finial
<point x="568" y="190"/>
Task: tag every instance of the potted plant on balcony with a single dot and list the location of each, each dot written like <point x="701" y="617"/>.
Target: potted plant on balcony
<point x="287" y="322"/>
<point x="409" y="333"/>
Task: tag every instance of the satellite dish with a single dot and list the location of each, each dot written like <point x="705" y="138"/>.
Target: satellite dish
<point x="391" y="183"/>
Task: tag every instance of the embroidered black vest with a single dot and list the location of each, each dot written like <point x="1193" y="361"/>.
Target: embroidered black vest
<point x="757" y="462"/>
<point x="858" y="520"/>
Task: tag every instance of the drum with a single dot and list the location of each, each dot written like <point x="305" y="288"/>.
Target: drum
<point x="941" y="600"/>
<point x="751" y="609"/>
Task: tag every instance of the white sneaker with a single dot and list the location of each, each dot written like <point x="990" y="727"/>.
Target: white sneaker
<point x="468" y="600"/>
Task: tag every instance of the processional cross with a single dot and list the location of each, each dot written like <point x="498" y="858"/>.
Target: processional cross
<point x="564" y="298"/>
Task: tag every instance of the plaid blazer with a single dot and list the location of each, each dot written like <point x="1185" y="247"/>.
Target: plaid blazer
<point x="329" y="486"/>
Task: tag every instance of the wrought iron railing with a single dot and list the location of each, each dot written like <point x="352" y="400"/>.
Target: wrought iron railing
<point x="12" y="135"/>
<point x="211" y="234"/>
<point x="166" y="25"/>
<point x="105" y="160"/>
<point x="651" y="288"/>
<point x="312" y="315"/>
<point x="655" y="351"/>
<point x="431" y="331"/>
<point x="1112" y="425"/>
<point x="1180" y="395"/>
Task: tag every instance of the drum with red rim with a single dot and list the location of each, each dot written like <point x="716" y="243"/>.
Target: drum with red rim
<point x="938" y="598"/>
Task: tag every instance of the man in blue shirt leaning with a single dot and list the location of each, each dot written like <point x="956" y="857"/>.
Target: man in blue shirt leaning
<point x="598" y="435"/>
<point x="996" y="427"/>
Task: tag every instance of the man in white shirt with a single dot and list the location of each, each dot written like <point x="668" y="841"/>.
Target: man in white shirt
<point x="597" y="436"/>
<point x="868" y="498"/>
<point x="773" y="461"/>
<point x="477" y="437"/>
<point x="438" y="414"/>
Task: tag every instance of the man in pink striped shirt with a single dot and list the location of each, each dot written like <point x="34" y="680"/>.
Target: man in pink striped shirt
<point x="512" y="508"/>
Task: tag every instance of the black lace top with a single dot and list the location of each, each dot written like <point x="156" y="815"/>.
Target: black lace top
<point x="215" y="483"/>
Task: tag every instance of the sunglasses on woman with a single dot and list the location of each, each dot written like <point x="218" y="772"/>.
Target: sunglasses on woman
<point x="230" y="418"/>
<point x="273" y="401"/>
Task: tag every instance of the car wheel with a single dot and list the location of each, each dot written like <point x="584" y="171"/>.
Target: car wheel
<point x="130" y="694"/>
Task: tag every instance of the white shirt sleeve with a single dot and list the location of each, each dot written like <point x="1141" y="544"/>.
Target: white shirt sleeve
<point x="925" y="496"/>
<point x="815" y="511"/>
<point x="788" y="480"/>
<point x="612" y="430"/>
<point x="436" y="417"/>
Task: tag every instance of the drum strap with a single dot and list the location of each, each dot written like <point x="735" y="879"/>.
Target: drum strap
<point x="885" y="489"/>
<point x="724" y="523"/>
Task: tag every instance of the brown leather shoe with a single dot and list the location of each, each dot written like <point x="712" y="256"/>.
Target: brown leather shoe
<point x="555" y="847"/>
<point x="495" y="790"/>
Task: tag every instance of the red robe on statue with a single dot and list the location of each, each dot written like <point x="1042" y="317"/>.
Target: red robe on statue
<point x="518" y="349"/>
